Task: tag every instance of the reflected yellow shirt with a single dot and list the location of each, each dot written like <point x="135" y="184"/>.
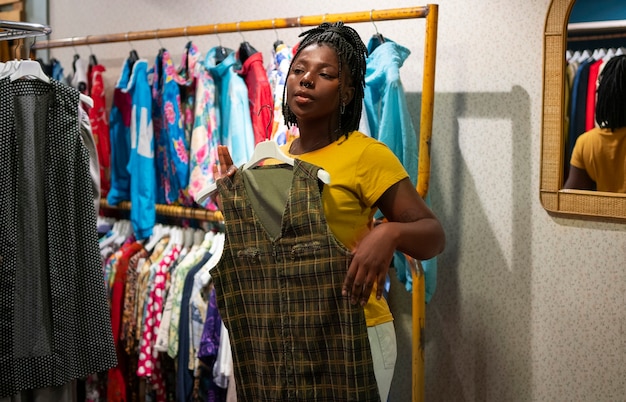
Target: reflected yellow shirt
<point x="361" y="169"/>
<point x="602" y="154"/>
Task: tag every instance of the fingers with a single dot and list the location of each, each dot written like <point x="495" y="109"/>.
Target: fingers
<point x="225" y="166"/>
<point x="358" y="291"/>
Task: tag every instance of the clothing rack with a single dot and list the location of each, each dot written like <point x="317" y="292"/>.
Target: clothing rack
<point x="19" y="30"/>
<point x="428" y="12"/>
<point x="599" y="30"/>
<point x="172" y="211"/>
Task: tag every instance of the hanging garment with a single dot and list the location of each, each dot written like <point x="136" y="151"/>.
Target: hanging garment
<point x="277" y="76"/>
<point x="172" y="148"/>
<point x="578" y="106"/>
<point x="592" y="86"/>
<point x="259" y="95"/>
<point x="205" y="136"/>
<point x="386" y="106"/>
<point x="293" y="336"/>
<point x="100" y="125"/>
<point x="187" y="78"/>
<point x="119" y="129"/>
<point x="54" y="318"/>
<point x="390" y="122"/>
<point x="86" y="135"/>
<point x="141" y="163"/>
<point x="235" y="127"/>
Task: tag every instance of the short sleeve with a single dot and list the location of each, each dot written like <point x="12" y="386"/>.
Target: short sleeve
<point x="379" y="169"/>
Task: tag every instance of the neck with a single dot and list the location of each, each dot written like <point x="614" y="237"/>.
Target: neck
<point x="313" y="136"/>
<point x="303" y="145"/>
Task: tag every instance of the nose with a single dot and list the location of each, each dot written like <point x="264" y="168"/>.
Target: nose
<point x="305" y="81"/>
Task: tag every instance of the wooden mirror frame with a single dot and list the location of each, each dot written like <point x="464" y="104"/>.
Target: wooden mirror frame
<point x="574" y="203"/>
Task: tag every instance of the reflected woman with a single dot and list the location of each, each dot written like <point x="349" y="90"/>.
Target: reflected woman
<point x="599" y="157"/>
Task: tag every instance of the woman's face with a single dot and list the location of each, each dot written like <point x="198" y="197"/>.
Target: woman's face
<point x="313" y="84"/>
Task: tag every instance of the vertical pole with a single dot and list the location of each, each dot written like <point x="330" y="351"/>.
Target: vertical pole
<point x="423" y="179"/>
<point x="419" y="319"/>
<point x="428" y="100"/>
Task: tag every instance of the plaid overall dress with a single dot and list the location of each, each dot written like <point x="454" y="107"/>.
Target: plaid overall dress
<point x="294" y="337"/>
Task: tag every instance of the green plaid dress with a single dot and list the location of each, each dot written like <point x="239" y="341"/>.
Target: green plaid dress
<point x="293" y="336"/>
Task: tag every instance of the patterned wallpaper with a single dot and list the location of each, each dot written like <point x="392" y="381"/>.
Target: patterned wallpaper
<point x="528" y="306"/>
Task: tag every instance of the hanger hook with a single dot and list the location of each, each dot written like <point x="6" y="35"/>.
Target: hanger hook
<point x="185" y="33"/>
<point x="128" y="40"/>
<point x="30" y="50"/>
<point x="73" y="46"/>
<point x="268" y="133"/>
<point x="239" y="30"/>
<point x="217" y="34"/>
<point x="372" y="21"/>
<point x="89" y="44"/>
<point x="299" y="23"/>
<point x="156" y="35"/>
<point x="274" y="27"/>
<point x="17" y="48"/>
<point x="324" y="18"/>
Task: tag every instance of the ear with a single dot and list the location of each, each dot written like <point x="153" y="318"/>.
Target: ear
<point x="347" y="94"/>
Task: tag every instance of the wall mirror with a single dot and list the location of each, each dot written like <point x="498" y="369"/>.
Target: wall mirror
<point x="556" y="200"/>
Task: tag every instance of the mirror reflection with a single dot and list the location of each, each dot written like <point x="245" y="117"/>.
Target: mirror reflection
<point x="587" y="33"/>
<point x="594" y="123"/>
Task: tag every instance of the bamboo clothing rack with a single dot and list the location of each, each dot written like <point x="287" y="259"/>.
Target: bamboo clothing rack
<point x="428" y="12"/>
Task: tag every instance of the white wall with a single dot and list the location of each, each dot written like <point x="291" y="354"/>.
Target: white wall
<point x="528" y="306"/>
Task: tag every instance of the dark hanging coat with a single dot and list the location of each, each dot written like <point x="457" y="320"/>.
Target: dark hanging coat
<point x="54" y="318"/>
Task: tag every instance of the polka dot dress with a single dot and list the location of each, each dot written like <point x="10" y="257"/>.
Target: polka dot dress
<point x="148" y="365"/>
<point x="54" y="318"/>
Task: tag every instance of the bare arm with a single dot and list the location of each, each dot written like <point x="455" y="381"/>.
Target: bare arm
<point x="579" y="179"/>
<point x="411" y="228"/>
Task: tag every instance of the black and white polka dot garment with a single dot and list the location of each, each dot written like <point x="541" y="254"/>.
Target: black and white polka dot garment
<point x="54" y="318"/>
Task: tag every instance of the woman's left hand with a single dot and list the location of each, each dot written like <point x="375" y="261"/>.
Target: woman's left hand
<point x="370" y="264"/>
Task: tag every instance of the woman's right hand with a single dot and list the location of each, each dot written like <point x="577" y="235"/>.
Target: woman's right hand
<point x="225" y="168"/>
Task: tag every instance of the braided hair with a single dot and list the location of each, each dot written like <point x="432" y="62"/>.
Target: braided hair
<point x="611" y="102"/>
<point x="351" y="52"/>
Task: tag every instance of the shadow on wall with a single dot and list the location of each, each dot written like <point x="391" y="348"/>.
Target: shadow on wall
<point x="478" y="324"/>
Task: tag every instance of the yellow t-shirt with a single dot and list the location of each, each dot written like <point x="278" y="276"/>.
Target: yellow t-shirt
<point x="602" y="154"/>
<point x="361" y="169"/>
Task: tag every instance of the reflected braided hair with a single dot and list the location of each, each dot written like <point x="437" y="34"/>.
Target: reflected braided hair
<point x="611" y="102"/>
<point x="351" y="52"/>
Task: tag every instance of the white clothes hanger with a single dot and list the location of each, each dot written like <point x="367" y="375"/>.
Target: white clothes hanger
<point x="269" y="150"/>
<point x="264" y="150"/>
<point x="31" y="69"/>
<point x="598" y="53"/>
<point x="158" y="232"/>
<point x="609" y="53"/>
<point x="584" y="55"/>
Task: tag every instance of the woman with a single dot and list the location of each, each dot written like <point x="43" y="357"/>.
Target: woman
<point x="323" y="98"/>
<point x="599" y="157"/>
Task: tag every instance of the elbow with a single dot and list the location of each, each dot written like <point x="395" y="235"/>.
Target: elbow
<point x="439" y="239"/>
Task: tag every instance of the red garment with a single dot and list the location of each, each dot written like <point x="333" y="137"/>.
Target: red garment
<point x="590" y="109"/>
<point x="116" y="387"/>
<point x="259" y="95"/>
<point x="100" y="126"/>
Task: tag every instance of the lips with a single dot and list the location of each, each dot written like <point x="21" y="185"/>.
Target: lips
<point x="302" y="96"/>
